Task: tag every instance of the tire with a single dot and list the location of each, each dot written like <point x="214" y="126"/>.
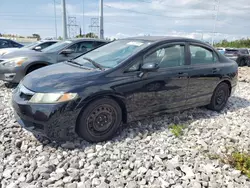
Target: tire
<point x="34" y="67"/>
<point x="242" y="62"/>
<point x="220" y="97"/>
<point x="100" y="120"/>
<point x="10" y="85"/>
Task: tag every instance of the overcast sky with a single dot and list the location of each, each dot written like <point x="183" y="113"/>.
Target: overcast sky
<point x="131" y="17"/>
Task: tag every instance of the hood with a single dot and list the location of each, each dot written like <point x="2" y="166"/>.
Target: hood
<point x="7" y="50"/>
<point x="25" y="53"/>
<point x="60" y="77"/>
<point x="31" y="54"/>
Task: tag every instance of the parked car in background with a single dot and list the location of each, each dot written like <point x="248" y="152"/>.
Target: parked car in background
<point x="39" y="45"/>
<point x="221" y="50"/>
<point x="125" y="80"/>
<point x="241" y="56"/>
<point x="7" y="43"/>
<point x="14" y="66"/>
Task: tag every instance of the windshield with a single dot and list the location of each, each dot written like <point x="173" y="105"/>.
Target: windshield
<point x="31" y="45"/>
<point x="112" y="54"/>
<point x="57" y="46"/>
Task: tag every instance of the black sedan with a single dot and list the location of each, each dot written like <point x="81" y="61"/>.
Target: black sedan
<point x="126" y="80"/>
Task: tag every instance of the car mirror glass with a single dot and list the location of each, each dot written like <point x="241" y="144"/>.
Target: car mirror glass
<point x="148" y="67"/>
<point x="38" y="48"/>
<point x="67" y="51"/>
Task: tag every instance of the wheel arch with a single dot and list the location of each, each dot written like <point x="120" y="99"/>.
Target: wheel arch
<point x="35" y="63"/>
<point x="115" y="96"/>
<point x="228" y="82"/>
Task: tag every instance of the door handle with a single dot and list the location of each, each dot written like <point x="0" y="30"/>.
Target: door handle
<point x="215" y="70"/>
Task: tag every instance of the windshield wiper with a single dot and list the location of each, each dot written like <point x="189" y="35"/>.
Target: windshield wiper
<point x="74" y="62"/>
<point x="97" y="65"/>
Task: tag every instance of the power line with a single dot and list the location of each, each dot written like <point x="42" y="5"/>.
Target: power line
<point x="158" y="15"/>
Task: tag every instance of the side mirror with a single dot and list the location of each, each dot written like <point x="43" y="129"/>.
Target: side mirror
<point x="149" y="67"/>
<point x="67" y="51"/>
<point x="38" y="48"/>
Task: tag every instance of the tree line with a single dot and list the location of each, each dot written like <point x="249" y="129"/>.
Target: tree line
<point x="241" y="43"/>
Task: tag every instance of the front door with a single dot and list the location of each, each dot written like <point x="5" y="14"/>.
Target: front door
<point x="165" y="89"/>
<point x="204" y="74"/>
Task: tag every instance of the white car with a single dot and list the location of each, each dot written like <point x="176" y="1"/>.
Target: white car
<point x="39" y="45"/>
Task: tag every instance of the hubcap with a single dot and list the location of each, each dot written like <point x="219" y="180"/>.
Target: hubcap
<point x="220" y="97"/>
<point x="101" y="119"/>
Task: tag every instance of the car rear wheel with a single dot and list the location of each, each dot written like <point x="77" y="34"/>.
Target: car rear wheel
<point x="100" y="120"/>
<point x="242" y="62"/>
<point x="220" y="97"/>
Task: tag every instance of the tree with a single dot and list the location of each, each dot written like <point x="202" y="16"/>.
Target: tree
<point x="241" y="43"/>
<point x="36" y="36"/>
<point x="60" y="38"/>
<point x="91" y="35"/>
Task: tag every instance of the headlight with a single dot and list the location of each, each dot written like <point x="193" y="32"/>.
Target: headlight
<point x="15" y="62"/>
<point x="52" y="97"/>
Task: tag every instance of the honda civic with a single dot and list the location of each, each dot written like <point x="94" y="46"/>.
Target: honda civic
<point x="129" y="79"/>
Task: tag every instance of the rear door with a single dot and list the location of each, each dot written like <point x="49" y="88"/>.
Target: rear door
<point x="204" y="74"/>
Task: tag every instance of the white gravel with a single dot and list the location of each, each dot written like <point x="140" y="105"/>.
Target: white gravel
<point x="145" y="154"/>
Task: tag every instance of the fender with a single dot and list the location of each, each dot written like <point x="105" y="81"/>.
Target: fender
<point x="108" y="93"/>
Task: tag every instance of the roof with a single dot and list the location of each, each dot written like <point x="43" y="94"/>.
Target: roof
<point x="164" y="38"/>
<point x="48" y="41"/>
<point x="160" y="38"/>
<point x="87" y="39"/>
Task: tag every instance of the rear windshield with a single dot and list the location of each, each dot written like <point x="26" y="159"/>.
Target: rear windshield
<point x="231" y="51"/>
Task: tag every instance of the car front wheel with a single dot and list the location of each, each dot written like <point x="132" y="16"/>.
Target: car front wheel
<point x="100" y="120"/>
<point x="220" y="97"/>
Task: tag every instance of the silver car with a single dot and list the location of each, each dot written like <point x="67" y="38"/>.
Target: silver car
<point x="14" y="66"/>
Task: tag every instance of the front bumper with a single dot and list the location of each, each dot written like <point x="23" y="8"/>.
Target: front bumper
<point x="54" y="121"/>
<point x="11" y="74"/>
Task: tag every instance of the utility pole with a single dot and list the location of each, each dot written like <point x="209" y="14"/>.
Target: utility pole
<point x="55" y="18"/>
<point x="64" y="20"/>
<point x="83" y="17"/>
<point x="216" y="8"/>
<point x="101" y="31"/>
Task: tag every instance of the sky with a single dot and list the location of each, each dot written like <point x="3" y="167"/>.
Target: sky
<point x="188" y="18"/>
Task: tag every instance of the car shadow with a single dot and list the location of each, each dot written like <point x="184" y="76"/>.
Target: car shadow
<point x="160" y="123"/>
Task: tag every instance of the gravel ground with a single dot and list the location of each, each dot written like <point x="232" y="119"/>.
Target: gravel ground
<point x="145" y="154"/>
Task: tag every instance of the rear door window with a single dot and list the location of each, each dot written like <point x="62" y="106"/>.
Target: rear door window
<point x="202" y="55"/>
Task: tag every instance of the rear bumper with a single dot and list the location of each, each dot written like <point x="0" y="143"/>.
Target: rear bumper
<point x="9" y="74"/>
<point x="233" y="58"/>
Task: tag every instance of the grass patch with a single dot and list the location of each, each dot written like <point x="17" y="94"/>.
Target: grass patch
<point x="240" y="161"/>
<point x="177" y="130"/>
